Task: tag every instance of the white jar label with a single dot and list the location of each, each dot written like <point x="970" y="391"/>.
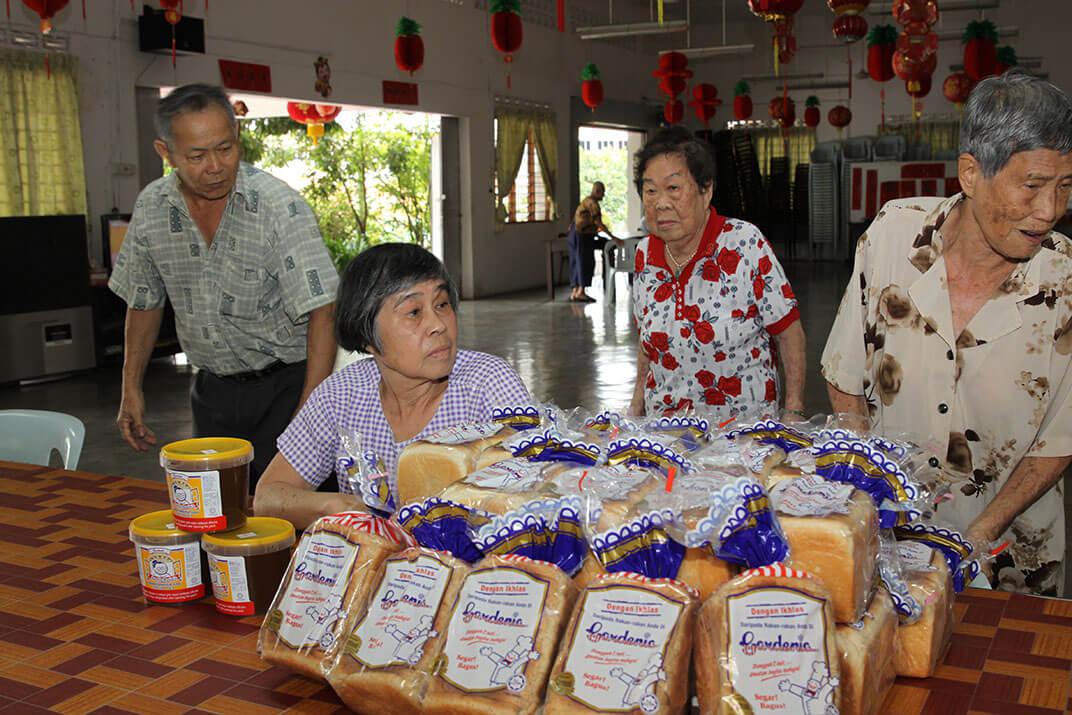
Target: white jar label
<point x="615" y="661"/>
<point x="230" y="585"/>
<point x="492" y="633"/>
<point x="777" y="647"/>
<point x="464" y="433"/>
<point x="196" y="502"/>
<point x="171" y="574"/>
<point x="311" y="607"/>
<point x="402" y="613"/>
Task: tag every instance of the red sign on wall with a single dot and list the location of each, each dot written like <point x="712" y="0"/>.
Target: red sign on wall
<point x="400" y="93"/>
<point x="246" y="76"/>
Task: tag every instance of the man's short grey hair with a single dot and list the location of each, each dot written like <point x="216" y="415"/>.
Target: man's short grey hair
<point x="1012" y="113"/>
<point x="189" y="98"/>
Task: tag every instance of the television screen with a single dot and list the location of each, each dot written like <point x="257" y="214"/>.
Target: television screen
<point x="46" y="263"/>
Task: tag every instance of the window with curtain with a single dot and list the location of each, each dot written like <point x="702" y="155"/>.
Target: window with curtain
<point x="526" y="165"/>
<point x="796" y="143"/>
<point x="41" y="166"/>
<point x="938" y="134"/>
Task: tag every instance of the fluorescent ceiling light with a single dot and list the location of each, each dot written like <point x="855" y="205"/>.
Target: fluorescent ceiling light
<point x="698" y="53"/>
<point x="945" y="6"/>
<point x="600" y="32"/>
<point x="783" y="77"/>
<point x="1010" y="31"/>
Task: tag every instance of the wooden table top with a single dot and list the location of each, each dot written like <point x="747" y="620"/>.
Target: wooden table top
<point x="76" y="636"/>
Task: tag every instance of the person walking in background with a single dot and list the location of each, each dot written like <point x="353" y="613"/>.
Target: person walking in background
<point x="584" y="241"/>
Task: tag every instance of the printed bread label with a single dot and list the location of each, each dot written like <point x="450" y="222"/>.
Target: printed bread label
<point x="196" y="501"/>
<point x="171" y="574"/>
<point x="915" y="556"/>
<point x="492" y="633"/>
<point x="311" y="607"/>
<point x="230" y="585"/>
<point x="615" y="660"/>
<point x="512" y="475"/>
<point x="811" y="496"/>
<point x="401" y="614"/>
<point x="776" y="641"/>
<point x="464" y="433"/>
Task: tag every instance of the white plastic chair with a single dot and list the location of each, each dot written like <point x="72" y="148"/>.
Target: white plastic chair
<point x="30" y="436"/>
<point x="617" y="260"/>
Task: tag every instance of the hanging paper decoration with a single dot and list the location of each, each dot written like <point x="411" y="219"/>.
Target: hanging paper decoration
<point x="912" y="12"/>
<point x="881" y="44"/>
<point x="917" y="47"/>
<point x="673" y="111"/>
<point x="705" y="102"/>
<point x="913" y="65"/>
<point x="779" y="12"/>
<point x="560" y="14"/>
<point x="957" y="87"/>
<point x="742" y="102"/>
<point x="839" y="117"/>
<point x="921" y="88"/>
<point x="783" y="110"/>
<point x="409" y="47"/>
<point x="850" y="28"/>
<point x="1006" y="59"/>
<point x="847" y="7"/>
<point x="811" y="111"/>
<point x="313" y="116"/>
<point x="322" y="85"/>
<point x="46" y="10"/>
<point x="673" y="74"/>
<point x="591" y="87"/>
<point x="173" y="16"/>
<point x="980" y="49"/>
<point x="506" y="30"/>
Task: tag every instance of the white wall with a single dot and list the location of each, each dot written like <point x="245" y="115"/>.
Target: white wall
<point x="461" y="76"/>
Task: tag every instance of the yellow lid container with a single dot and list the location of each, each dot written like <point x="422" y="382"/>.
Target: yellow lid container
<point x="169" y="559"/>
<point x="208" y="482"/>
<point x="248" y="564"/>
<point x="204" y="453"/>
<point x="260" y="535"/>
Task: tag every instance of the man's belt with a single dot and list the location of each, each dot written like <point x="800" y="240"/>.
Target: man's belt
<point x="254" y="375"/>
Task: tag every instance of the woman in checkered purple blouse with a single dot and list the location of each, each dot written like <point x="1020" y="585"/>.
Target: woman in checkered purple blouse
<point x="397" y="303"/>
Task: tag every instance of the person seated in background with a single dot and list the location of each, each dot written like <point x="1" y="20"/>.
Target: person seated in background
<point x="956" y="328"/>
<point x="709" y="296"/>
<point x="584" y="242"/>
<point x="397" y="303"/>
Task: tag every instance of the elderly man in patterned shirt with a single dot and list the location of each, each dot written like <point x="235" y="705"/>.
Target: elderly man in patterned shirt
<point x="241" y="258"/>
<point x="956" y="328"/>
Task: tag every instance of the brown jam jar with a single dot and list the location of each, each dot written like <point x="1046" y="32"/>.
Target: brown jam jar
<point x="171" y="565"/>
<point x="208" y="482"/>
<point x="248" y="564"/>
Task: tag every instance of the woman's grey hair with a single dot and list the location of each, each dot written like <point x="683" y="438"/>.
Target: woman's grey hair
<point x="1012" y="113"/>
<point x="371" y="278"/>
<point x="189" y="98"/>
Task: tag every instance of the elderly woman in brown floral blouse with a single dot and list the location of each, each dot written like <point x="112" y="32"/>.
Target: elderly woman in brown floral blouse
<point x="956" y="327"/>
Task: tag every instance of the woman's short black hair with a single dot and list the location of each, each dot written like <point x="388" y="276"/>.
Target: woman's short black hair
<point x="370" y="278"/>
<point x="678" y="140"/>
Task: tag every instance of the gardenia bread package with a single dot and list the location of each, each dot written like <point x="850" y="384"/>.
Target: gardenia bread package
<point x="867" y="651"/>
<point x="394" y="638"/>
<point x="766" y="643"/>
<point x="334" y="567"/>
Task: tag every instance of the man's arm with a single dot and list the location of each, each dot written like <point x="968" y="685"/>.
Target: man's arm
<point x="320" y="349"/>
<point x="141" y="331"/>
<point x="636" y="405"/>
<point x="792" y="349"/>
<point x="1032" y="478"/>
<point x="844" y="403"/>
<point x="282" y="493"/>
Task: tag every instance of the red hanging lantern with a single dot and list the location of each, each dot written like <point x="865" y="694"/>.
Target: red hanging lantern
<point x="840" y="117"/>
<point x="881" y="44"/>
<point x="850" y="28"/>
<point x="705" y="102"/>
<point x="780" y="12"/>
<point x="980" y="49"/>
<point x="771" y="10"/>
<point x="957" y="87"/>
<point x="172" y="11"/>
<point x="908" y="12"/>
<point x="673" y="73"/>
<point x="783" y="110"/>
<point x="920" y="88"/>
<point x="914" y="63"/>
<point x="811" y="112"/>
<point x="1006" y="59"/>
<point x="673" y="111"/>
<point x="591" y="87"/>
<point x="847" y="7"/>
<point x="313" y="116"/>
<point x="742" y="102"/>
<point x="506" y="29"/>
<point x="409" y="47"/>
<point x="46" y="10"/>
<point x="785" y="42"/>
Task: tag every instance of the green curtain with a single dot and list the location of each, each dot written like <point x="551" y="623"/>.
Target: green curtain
<point x="512" y="133"/>
<point x="544" y="130"/>
<point x="41" y="167"/>
<point x="940" y="135"/>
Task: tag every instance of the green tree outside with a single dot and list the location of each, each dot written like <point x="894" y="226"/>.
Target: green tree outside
<point x="611" y="166"/>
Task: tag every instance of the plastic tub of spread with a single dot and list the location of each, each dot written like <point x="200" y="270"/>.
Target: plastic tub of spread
<point x="248" y="564"/>
<point x="170" y="563"/>
<point x="208" y="482"/>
